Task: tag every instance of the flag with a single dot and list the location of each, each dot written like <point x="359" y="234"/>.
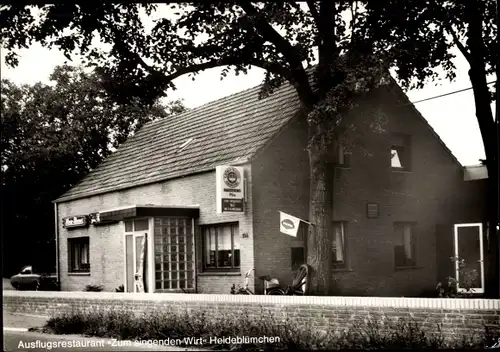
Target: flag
<point x="289" y="225"/>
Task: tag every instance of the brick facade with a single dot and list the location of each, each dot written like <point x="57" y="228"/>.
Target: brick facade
<point x="456" y="316"/>
<point x="432" y="192"/>
<point x="106" y="242"/>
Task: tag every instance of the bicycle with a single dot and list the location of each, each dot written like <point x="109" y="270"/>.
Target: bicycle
<point x="272" y="287"/>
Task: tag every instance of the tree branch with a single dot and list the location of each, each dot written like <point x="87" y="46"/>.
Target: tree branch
<point x="314" y="13"/>
<point x="272" y="67"/>
<point x="300" y="79"/>
<point x="354" y="15"/>
<point x="270" y="33"/>
<point x="457" y="42"/>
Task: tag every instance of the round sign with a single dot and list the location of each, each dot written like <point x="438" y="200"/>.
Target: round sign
<point x="232" y="177"/>
<point x="288" y="224"/>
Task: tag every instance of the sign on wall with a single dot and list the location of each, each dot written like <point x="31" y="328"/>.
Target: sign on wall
<point x="95" y="219"/>
<point x="75" y="221"/>
<point x="230" y="192"/>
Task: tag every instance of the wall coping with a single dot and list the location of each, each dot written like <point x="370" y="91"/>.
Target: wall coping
<point x="391" y="302"/>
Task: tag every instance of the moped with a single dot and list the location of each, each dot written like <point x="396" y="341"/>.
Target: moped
<point x="272" y="286"/>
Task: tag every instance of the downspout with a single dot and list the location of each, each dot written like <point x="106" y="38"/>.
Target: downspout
<point x="56" y="217"/>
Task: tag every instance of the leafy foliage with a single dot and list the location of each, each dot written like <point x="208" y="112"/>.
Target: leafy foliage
<point x="374" y="332"/>
<point x="467" y="277"/>
<point x="52" y="136"/>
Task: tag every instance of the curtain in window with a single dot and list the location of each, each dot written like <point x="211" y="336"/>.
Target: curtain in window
<point x="224" y="238"/>
<point x="338" y="244"/>
<point x="407" y="241"/>
<point x="236" y="238"/>
<point x="210" y="246"/>
<point x="84" y="253"/>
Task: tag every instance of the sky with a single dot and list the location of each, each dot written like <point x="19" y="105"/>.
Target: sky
<point x="452" y="117"/>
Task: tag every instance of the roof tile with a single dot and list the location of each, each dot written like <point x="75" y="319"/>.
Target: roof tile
<point x="228" y="130"/>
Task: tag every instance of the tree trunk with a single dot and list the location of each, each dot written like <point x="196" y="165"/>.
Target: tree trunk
<point x="488" y="128"/>
<point x="319" y="239"/>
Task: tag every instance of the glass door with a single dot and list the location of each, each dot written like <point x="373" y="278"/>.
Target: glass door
<point x="136" y="256"/>
<point x="469" y="263"/>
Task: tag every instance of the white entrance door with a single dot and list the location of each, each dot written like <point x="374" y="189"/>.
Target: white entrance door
<point x="137" y="256"/>
<point x="469" y="248"/>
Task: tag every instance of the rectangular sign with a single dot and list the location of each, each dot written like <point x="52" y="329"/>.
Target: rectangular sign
<point x="232" y="205"/>
<point x="289" y="225"/>
<point x="75" y="221"/>
<point x="230" y="190"/>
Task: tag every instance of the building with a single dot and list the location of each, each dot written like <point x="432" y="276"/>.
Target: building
<point x="151" y="207"/>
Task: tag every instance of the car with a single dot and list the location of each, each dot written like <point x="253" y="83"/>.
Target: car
<point x="28" y="279"/>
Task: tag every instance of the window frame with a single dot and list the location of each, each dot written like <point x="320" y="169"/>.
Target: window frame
<point x="413" y="244"/>
<point x="343" y="264"/>
<point x="85" y="240"/>
<point x="398" y="141"/>
<point x="341" y="151"/>
<point x="234" y="226"/>
<point x="296" y="265"/>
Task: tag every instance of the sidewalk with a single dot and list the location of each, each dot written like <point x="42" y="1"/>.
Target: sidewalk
<point x="15" y="323"/>
<point x="22" y="322"/>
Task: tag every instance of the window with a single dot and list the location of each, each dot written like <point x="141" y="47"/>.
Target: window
<point x="298" y="257"/>
<point x="79" y="255"/>
<point x="339" y="245"/>
<point x="404" y="244"/>
<point x="342" y="156"/>
<point x="221" y="247"/>
<point x="174" y="254"/>
<point x="137" y="225"/>
<point x="400" y="152"/>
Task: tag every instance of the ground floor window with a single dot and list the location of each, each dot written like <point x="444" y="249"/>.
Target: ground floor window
<point x="339" y="244"/>
<point x="221" y="247"/>
<point x="298" y="257"/>
<point x="174" y="254"/>
<point x="404" y="244"/>
<point x="78" y="252"/>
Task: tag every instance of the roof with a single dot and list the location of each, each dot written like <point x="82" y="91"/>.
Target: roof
<point x="230" y="130"/>
<point x="475" y="172"/>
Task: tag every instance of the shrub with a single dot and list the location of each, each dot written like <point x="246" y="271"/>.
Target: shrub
<point x="450" y="288"/>
<point x="93" y="288"/>
<point x="120" y="288"/>
<point x="373" y="332"/>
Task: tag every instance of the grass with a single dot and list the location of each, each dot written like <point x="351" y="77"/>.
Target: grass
<point x="371" y="333"/>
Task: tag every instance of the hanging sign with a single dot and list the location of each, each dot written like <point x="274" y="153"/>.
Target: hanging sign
<point x="230" y="192"/>
<point x="289" y="225"/>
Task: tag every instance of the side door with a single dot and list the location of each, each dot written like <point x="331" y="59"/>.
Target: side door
<point x="469" y="249"/>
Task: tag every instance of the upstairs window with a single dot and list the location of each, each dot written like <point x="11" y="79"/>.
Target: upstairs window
<point x="401" y="152"/>
<point x="342" y="157"/>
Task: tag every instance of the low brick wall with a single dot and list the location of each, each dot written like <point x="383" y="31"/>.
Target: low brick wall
<point x="456" y="316"/>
